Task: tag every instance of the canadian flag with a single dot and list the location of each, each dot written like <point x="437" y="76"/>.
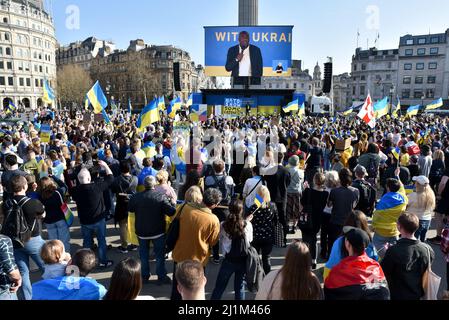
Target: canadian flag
<point x="367" y="112"/>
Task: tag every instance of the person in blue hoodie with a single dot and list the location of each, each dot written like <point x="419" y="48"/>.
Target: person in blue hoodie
<point x="76" y="285"/>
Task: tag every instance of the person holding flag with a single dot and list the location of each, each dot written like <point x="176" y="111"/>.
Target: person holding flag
<point x="148" y="116"/>
<point x="381" y="108"/>
<point x="413" y="111"/>
<point x="302" y="111"/>
<point x="49" y="96"/>
<point x="397" y="109"/>
<point x="11" y="108"/>
<point x="435" y="105"/>
<point x="98" y="100"/>
<point x="292" y="107"/>
<point x="174" y="106"/>
<point x="367" y="113"/>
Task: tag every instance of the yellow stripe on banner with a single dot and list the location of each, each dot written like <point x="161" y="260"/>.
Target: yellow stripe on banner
<point x="269" y="110"/>
<point x="98" y="108"/>
<point x="212" y="71"/>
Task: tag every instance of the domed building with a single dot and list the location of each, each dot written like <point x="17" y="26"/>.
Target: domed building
<point x="27" y="53"/>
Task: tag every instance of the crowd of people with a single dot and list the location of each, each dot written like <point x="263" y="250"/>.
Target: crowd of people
<point x="230" y="190"/>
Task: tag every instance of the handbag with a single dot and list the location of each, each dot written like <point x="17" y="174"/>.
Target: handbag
<point x="431" y="282"/>
<point x="305" y="217"/>
<point x="173" y="233"/>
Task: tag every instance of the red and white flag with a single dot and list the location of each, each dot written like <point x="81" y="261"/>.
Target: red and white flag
<point x="367" y="112"/>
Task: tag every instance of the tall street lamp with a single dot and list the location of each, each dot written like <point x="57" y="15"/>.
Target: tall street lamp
<point x="392" y="91"/>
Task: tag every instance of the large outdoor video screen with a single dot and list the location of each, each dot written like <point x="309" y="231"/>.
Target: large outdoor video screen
<point x="248" y="51"/>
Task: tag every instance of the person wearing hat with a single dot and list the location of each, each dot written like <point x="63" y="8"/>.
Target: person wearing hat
<point x="368" y="194"/>
<point x="422" y="203"/>
<point x="356" y="277"/>
<point x="406" y="263"/>
<point x="294" y="192"/>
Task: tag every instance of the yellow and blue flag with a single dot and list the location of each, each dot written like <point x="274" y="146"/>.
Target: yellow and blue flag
<point x="381" y="108"/>
<point x="97" y="98"/>
<point x="49" y="95"/>
<point x="130" y="107"/>
<point x="435" y="104"/>
<point x="149" y="115"/>
<point x="11" y="107"/>
<point x="161" y="103"/>
<point x="258" y="201"/>
<point x="302" y="110"/>
<point x="347" y="111"/>
<point x="86" y="104"/>
<point x="397" y="109"/>
<point x="388" y="211"/>
<point x="174" y="106"/>
<point x="198" y="113"/>
<point x="413" y="110"/>
<point x="190" y="101"/>
<point x="396" y="153"/>
<point x="292" y="106"/>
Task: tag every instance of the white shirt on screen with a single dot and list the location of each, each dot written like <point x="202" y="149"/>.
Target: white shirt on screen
<point x="245" y="64"/>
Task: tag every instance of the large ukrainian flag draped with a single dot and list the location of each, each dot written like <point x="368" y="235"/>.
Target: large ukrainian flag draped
<point x="292" y="107"/>
<point x="381" y="108"/>
<point x="174" y="106"/>
<point x="435" y="104"/>
<point x="49" y="95"/>
<point x="97" y="98"/>
<point x="388" y="211"/>
<point x="149" y="115"/>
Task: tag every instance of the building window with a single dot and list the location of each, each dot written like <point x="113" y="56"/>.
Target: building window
<point x="40" y="69"/>
<point x="36" y="82"/>
<point x="362" y="90"/>
<point x="406" y="94"/>
<point x="434" y="40"/>
<point x="363" y="67"/>
<point x="431" y="79"/>
<point x="363" y="78"/>
<point x="433" y="65"/>
<point x="422" y="41"/>
<point x="418" y="94"/>
<point x="41" y="83"/>
<point x="407" y="80"/>
<point x="434" y="50"/>
<point x="9" y="65"/>
<point x="390" y="65"/>
<point x="295" y="86"/>
<point x="409" y="42"/>
<point x="419" y="80"/>
<point x="2" y="65"/>
<point x="21" y="82"/>
<point x="409" y="52"/>
<point x="420" y="66"/>
<point x="388" y="77"/>
<point x="2" y="81"/>
<point x="28" y="82"/>
<point x="355" y="67"/>
<point x="270" y="86"/>
<point x="8" y="51"/>
<point x="302" y="85"/>
<point x="10" y="81"/>
<point x="5" y="20"/>
<point x="430" y="93"/>
<point x="408" y="66"/>
<point x="421" y="52"/>
<point x="287" y="86"/>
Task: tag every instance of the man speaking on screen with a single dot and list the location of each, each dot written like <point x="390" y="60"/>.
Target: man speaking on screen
<point x="245" y="60"/>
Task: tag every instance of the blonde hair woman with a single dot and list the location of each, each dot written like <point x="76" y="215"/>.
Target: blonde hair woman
<point x="331" y="181"/>
<point x="264" y="218"/>
<point x="164" y="187"/>
<point x="194" y="195"/>
<point x="422" y="203"/>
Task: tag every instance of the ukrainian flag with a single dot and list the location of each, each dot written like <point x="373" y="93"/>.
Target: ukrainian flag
<point x="396" y="153"/>
<point x="97" y="98"/>
<point x="381" y="108"/>
<point x="130" y="107"/>
<point x="258" y="201"/>
<point x="161" y="103"/>
<point x="49" y="95"/>
<point x="302" y="110"/>
<point x="292" y="107"/>
<point x="398" y="109"/>
<point x="435" y="104"/>
<point x="174" y="106"/>
<point x="150" y="149"/>
<point x="348" y="111"/>
<point x="190" y="101"/>
<point x="148" y="116"/>
<point x="413" y="110"/>
<point x="86" y="104"/>
<point x="106" y="117"/>
<point x="11" y="107"/>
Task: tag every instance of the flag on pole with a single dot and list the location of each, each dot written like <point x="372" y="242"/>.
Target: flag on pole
<point x="381" y="108"/>
<point x="258" y="201"/>
<point x="86" y="104"/>
<point x="292" y="106"/>
<point x="413" y="110"/>
<point x="435" y="104"/>
<point x="130" y="107"/>
<point x="347" y="111"/>
<point x="397" y="109"/>
<point x="11" y="107"/>
<point x="97" y="98"/>
<point x="161" y="103"/>
<point x="367" y="113"/>
<point x="149" y="115"/>
<point x="49" y="95"/>
<point x="302" y="110"/>
<point x="396" y="153"/>
<point x="174" y="106"/>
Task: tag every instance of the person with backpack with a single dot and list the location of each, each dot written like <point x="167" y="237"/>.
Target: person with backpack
<point x="236" y="234"/>
<point x="371" y="161"/>
<point x="367" y="193"/>
<point x="11" y="169"/>
<point x="23" y="224"/>
<point x="220" y="181"/>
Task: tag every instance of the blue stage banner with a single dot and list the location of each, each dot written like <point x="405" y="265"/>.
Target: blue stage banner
<point x="269" y="53"/>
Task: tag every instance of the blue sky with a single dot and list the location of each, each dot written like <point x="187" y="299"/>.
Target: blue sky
<point x="322" y="28"/>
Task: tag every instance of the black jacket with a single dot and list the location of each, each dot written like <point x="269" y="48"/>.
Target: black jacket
<point x="89" y="200"/>
<point x="150" y="208"/>
<point x="278" y="184"/>
<point x="404" y="266"/>
<point x="256" y="61"/>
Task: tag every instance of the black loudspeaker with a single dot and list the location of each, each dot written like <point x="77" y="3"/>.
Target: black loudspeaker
<point x="177" y="76"/>
<point x="328" y="74"/>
